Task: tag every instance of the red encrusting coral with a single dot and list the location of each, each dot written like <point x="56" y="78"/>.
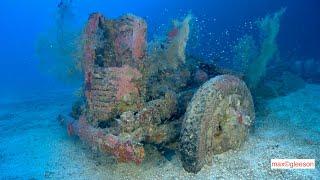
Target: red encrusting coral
<point x="139" y="40"/>
<point x="124" y="150"/>
<point x="113" y="54"/>
<point x="90" y="39"/>
<point x="124" y="83"/>
<point x="130" y="40"/>
<point x="89" y="49"/>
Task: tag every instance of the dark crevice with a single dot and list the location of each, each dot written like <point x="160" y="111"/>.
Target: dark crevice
<point x="107" y="124"/>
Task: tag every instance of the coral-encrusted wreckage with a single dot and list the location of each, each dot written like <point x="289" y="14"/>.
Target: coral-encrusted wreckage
<point x="135" y="95"/>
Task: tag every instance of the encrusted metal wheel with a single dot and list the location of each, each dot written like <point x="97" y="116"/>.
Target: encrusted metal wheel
<point x="217" y="119"/>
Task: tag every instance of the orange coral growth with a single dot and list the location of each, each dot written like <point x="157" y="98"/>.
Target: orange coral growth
<point x="89" y="38"/>
<point x="130" y="40"/>
<point x="139" y="41"/>
<point x="123" y="150"/>
<point x="125" y="82"/>
<point x="93" y="23"/>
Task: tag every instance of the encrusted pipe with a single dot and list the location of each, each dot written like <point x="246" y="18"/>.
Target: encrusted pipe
<point x="124" y="150"/>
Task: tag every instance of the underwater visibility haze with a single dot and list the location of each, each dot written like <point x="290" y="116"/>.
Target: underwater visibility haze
<point x="160" y="89"/>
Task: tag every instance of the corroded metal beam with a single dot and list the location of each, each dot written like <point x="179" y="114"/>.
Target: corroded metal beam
<point x="124" y="150"/>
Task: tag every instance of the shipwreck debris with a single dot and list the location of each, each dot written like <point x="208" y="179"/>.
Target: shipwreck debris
<point x="114" y="52"/>
<point x="217" y="119"/>
<point x="134" y="98"/>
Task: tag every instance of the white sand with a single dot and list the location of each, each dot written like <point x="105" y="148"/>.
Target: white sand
<point x="34" y="145"/>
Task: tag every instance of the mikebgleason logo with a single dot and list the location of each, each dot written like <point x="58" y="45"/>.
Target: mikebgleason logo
<point x="293" y="164"/>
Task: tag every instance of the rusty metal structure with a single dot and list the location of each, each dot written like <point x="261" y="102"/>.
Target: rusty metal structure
<point x="134" y="95"/>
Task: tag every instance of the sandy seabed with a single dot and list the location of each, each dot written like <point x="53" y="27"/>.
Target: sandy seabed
<point x="34" y="146"/>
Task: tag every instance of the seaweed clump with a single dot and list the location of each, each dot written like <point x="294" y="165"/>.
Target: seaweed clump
<point x="255" y="57"/>
<point x="167" y="67"/>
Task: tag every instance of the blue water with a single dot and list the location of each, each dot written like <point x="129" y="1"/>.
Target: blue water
<point x="31" y="99"/>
